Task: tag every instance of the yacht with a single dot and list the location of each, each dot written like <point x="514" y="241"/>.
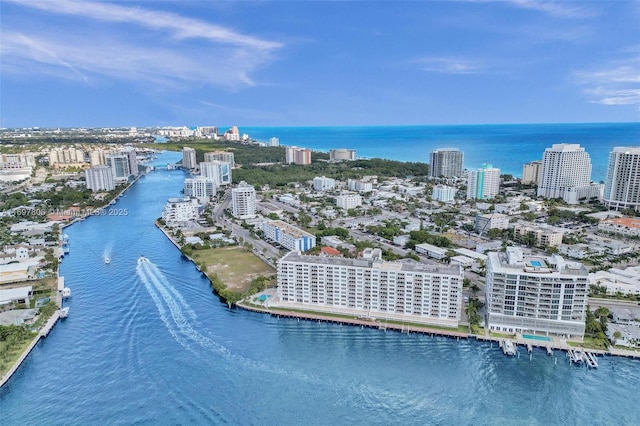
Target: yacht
<point x="142" y="259"/>
<point x="107" y="260"/>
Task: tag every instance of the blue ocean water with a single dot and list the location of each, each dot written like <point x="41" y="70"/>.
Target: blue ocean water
<point x="150" y="344"/>
<point x="507" y="147"/>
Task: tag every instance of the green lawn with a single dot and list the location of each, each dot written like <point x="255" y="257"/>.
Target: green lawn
<point x="235" y="266"/>
<point x="12" y="355"/>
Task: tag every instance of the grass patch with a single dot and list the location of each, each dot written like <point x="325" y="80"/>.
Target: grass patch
<point x="504" y="335"/>
<point x="588" y="343"/>
<point x="234" y="266"/>
<point x="12" y="351"/>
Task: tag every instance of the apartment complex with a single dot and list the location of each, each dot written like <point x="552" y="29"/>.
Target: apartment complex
<point x="484" y="222"/>
<point x="189" y="158"/>
<point x="443" y="193"/>
<point x="120" y="167"/>
<point x="404" y="290"/>
<point x="359" y="185"/>
<point x="531" y="173"/>
<point x="200" y="187"/>
<point x="566" y="174"/>
<point x="348" y="201"/>
<point x="542" y="236"/>
<point x="295" y="155"/>
<point x="446" y="162"/>
<point x="342" y="154"/>
<point x="243" y="199"/>
<point x="622" y="187"/>
<point x="288" y="236"/>
<point x="483" y="183"/>
<point x="180" y="210"/>
<point x="99" y="178"/>
<point x="219" y="171"/>
<point x="225" y="156"/>
<point x="536" y="294"/>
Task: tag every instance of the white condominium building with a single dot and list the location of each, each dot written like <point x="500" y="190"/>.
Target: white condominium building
<point x="201" y="188"/>
<point x="243" y="199"/>
<point x="225" y="156"/>
<point x="483" y="183"/>
<point x="288" y="236"/>
<point x="322" y="183"/>
<point x="541" y="235"/>
<point x="536" y="294"/>
<point x="359" y="185"/>
<point x="177" y="211"/>
<point x="446" y="162"/>
<point x="342" y="154"/>
<point x="189" y="158"/>
<point x="484" y="222"/>
<point x="403" y="291"/>
<point x="348" y="201"/>
<point x="622" y="187"/>
<point x="220" y="171"/>
<point x="443" y="193"/>
<point x="99" y="178"/>
<point x="566" y="174"/>
<point x="274" y="142"/>
<point x="120" y="167"/>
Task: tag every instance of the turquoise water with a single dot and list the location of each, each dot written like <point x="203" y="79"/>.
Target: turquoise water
<point x="535" y="263"/>
<point x="152" y="344"/>
<point x="507" y="147"/>
<point x="532" y="337"/>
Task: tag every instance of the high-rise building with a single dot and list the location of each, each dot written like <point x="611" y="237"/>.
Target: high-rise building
<point x="342" y="154"/>
<point x="220" y="171"/>
<point x="443" y="193"/>
<point x="402" y="291"/>
<point x="243" y="199"/>
<point x="202" y="188"/>
<point x="483" y="183"/>
<point x="531" y="173"/>
<point x="189" y="158"/>
<point x="226" y="156"/>
<point x="180" y="210"/>
<point x="566" y="174"/>
<point x="99" y="178"/>
<point x="132" y="155"/>
<point x="297" y="155"/>
<point x="97" y="157"/>
<point x="622" y="187"/>
<point x="274" y="142"/>
<point x="536" y="294"/>
<point x="446" y="162"/>
<point x="119" y="164"/>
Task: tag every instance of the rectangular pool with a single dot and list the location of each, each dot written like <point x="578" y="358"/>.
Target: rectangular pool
<point x="532" y="337"/>
<point x="535" y="263"/>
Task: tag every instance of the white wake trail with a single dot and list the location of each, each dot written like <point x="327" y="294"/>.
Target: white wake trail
<point x="160" y="277"/>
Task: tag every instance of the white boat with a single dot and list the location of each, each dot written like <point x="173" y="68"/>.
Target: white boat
<point x="107" y="260"/>
<point x="66" y="292"/>
<point x="64" y="312"/>
<point x="142" y="259"/>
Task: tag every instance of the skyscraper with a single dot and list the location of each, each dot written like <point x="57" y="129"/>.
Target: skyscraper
<point x="566" y="174"/>
<point x="531" y="173"/>
<point x="220" y="171"/>
<point x="99" y="178"/>
<point x="622" y="188"/>
<point x="226" y="156"/>
<point x="446" y="162"/>
<point x="483" y="183"/>
<point x="297" y="155"/>
<point x="119" y="164"/>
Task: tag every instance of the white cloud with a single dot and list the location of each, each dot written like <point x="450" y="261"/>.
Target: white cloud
<point x="618" y="84"/>
<point x="556" y="9"/>
<point x="448" y="65"/>
<point x="183" y="51"/>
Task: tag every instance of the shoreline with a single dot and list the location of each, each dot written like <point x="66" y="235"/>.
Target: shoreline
<point x="426" y="330"/>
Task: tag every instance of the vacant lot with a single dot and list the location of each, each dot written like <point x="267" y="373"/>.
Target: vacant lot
<point x="235" y="266"/>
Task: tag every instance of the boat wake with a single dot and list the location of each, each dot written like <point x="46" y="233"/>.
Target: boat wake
<point x="173" y="309"/>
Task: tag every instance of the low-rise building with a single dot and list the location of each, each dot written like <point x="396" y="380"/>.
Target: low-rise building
<point x="288" y="236"/>
<point x="443" y="193"/>
<point x="348" y="201"/>
<point x="431" y="251"/>
<point x="545" y="236"/>
<point x="178" y="211"/>
<point x="627" y="226"/>
<point x="623" y="281"/>
<point x="323" y="183"/>
<point x="484" y="222"/>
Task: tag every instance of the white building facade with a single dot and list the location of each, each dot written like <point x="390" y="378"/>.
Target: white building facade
<point x="622" y="187"/>
<point x="483" y="183"/>
<point x="225" y="156"/>
<point x="178" y="211"/>
<point x="348" y="201"/>
<point x="99" y="178"/>
<point x="220" y="171"/>
<point x="322" y="183"/>
<point x="243" y="199"/>
<point x="407" y="290"/>
<point x="189" y="158"/>
<point x="443" y="193"/>
<point x="445" y="162"/>
<point x="201" y="188"/>
<point x="288" y="236"/>
<point x="535" y="294"/>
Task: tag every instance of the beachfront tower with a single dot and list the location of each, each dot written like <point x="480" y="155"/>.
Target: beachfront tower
<point x="189" y="158"/>
<point x="445" y="162"/>
<point x="622" y="188"/>
<point x="566" y="174"/>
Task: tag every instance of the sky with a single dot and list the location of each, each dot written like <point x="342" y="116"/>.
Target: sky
<point x="68" y="63"/>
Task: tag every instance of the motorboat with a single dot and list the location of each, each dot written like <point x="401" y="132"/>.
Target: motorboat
<point x="142" y="259"/>
<point x="107" y="260"/>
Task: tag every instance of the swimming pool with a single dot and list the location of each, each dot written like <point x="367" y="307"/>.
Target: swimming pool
<point x="532" y="337"/>
<point x="535" y="263"/>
